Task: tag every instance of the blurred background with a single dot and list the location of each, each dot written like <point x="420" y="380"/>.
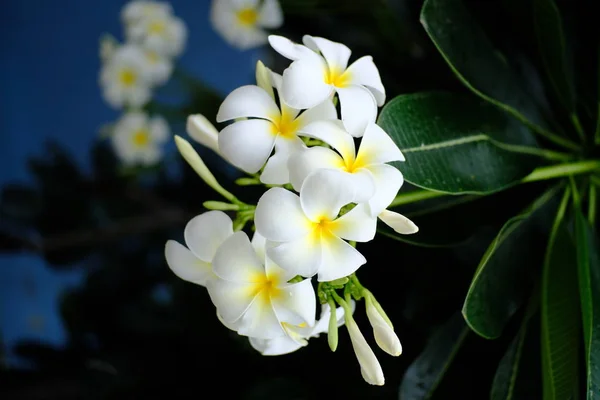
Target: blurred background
<point x="89" y="308"/>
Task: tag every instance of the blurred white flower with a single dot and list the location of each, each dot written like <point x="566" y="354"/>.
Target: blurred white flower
<point x="136" y="10"/>
<point x="162" y="33"/>
<point x="203" y="235"/>
<point x="159" y="67"/>
<point x="138" y="139"/>
<point x="254" y="297"/>
<point x="296" y="335"/>
<point x="125" y="78"/>
<point x="242" y="22"/>
<point x="307" y="231"/>
<point x="320" y="68"/>
<point x="376" y="182"/>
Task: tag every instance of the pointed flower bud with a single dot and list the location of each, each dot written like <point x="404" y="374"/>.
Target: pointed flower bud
<point x="263" y="78"/>
<point x="202" y="131"/>
<point x="383" y="330"/>
<point x="369" y="365"/>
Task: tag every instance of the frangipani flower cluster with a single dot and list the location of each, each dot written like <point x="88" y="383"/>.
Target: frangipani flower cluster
<point x="242" y="23"/>
<point x="326" y="193"/>
<point x="132" y="70"/>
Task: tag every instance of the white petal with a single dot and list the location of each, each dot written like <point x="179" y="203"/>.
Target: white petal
<point x="358" y="108"/>
<point x="324" y="192"/>
<point x="250" y="37"/>
<point x="300" y="257"/>
<point x="304" y="162"/>
<point x="279" y="216"/>
<point x="260" y="320"/>
<point x="206" y="232"/>
<point x="248" y="101"/>
<point x="229" y="325"/>
<point x="321" y="112"/>
<point x="388" y="181"/>
<point x="334" y="134"/>
<point x="186" y="265"/>
<point x="304" y="83"/>
<point x="247" y="144"/>
<point x="289" y="49"/>
<point x="203" y="132"/>
<point x="377" y="147"/>
<point x="322" y="324"/>
<point x="276" y="170"/>
<point x="159" y="129"/>
<point x="357" y="225"/>
<point x="336" y="54"/>
<point x="296" y="303"/>
<point x="236" y="260"/>
<point x="276" y="347"/>
<point x="364" y="72"/>
<point x="339" y="259"/>
<point x="270" y="15"/>
<point x="364" y="185"/>
<point x="232" y="299"/>
<point x="259" y="243"/>
<point x="398" y="222"/>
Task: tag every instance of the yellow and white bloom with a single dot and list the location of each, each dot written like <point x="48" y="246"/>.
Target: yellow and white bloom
<point x="296" y="336"/>
<point x="369" y="365"/>
<point x="255" y="298"/>
<point x="320" y="68"/>
<point x="242" y="23"/>
<point x="203" y="131"/>
<point x="248" y="143"/>
<point x="160" y="32"/>
<point x="306" y="230"/>
<point x="203" y="235"/>
<point x="137" y="10"/>
<point x="159" y="67"/>
<point x="125" y="78"/>
<point x="138" y="139"/>
<point x="375" y="182"/>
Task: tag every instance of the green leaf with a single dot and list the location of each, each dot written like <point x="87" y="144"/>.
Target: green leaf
<point x="458" y="144"/>
<point x="551" y="41"/>
<point x="503" y="278"/>
<point x="560" y="314"/>
<point x="518" y="374"/>
<point x="588" y="262"/>
<point x="425" y="373"/>
<point x="473" y="58"/>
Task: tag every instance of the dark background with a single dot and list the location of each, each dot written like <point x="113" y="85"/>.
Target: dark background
<point x="105" y="317"/>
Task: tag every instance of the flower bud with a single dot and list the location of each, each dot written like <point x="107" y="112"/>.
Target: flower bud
<point x="383" y="330"/>
<point x="398" y="222"/>
<point x="369" y="365"/>
<point x="202" y="131"/>
<point x="263" y="78"/>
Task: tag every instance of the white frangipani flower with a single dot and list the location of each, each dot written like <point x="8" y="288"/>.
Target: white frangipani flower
<point x="248" y="143"/>
<point x="138" y="139"/>
<point x="296" y="336"/>
<point x="255" y="298"/>
<point x="314" y="77"/>
<point x="162" y="33"/>
<point x="202" y="131"/>
<point x="369" y="365"/>
<point x="383" y="330"/>
<point x="375" y="182"/>
<point x="125" y="78"/>
<point x="137" y="10"/>
<point x="307" y="231"/>
<point x="203" y="235"/>
<point x="159" y="67"/>
<point x="242" y="22"/>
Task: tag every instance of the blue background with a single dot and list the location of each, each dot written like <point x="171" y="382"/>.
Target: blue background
<point x="48" y="75"/>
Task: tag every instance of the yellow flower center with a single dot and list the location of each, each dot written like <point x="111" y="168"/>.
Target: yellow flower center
<point x="336" y="77"/>
<point x="285" y="125"/>
<point x="128" y="77"/>
<point x="265" y="287"/>
<point x="247" y="16"/>
<point x="141" y="138"/>
<point x="156" y="27"/>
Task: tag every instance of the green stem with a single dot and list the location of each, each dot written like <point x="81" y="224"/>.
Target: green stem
<point x="597" y="136"/>
<point x="592" y="204"/>
<point x="578" y="127"/>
